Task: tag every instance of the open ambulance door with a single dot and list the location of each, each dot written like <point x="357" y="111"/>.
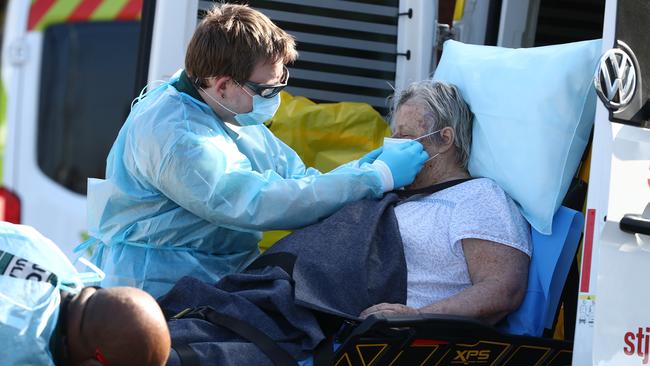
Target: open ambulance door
<point x="355" y="51"/>
<point x="613" y="321"/>
<point x="68" y="73"/>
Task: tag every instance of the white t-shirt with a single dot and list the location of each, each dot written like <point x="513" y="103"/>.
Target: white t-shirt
<point x="433" y="226"/>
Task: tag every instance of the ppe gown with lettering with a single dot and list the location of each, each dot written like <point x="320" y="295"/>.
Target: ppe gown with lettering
<point x="186" y="194"/>
<point x="29" y="309"/>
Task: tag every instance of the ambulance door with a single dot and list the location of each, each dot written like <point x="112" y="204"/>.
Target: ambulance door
<point x="68" y="68"/>
<point x="349" y="50"/>
<point x="613" y="321"/>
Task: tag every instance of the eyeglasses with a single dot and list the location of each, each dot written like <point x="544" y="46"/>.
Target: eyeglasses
<point x="269" y="91"/>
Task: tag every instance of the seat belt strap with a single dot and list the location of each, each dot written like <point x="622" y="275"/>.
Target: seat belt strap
<point x="187" y="355"/>
<point x="324" y="352"/>
<point x="411" y="195"/>
<point x="268" y="346"/>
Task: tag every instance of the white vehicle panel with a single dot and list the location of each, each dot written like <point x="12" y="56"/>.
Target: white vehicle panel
<point x="173" y="28"/>
<point x="597" y="206"/>
<point x="418" y="34"/>
<point x="622" y="327"/>
<point x="46" y="205"/>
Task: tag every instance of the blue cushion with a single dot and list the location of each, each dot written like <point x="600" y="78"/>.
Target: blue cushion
<point x="549" y="266"/>
<point x="534" y="109"/>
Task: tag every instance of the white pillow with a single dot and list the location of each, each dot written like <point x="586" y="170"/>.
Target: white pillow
<point x="534" y="109"/>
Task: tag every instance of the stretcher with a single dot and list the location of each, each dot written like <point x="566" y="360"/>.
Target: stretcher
<point x="430" y="339"/>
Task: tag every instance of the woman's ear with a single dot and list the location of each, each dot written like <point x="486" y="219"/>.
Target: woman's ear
<point x="447" y="135"/>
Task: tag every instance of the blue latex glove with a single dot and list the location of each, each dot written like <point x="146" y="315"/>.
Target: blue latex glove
<point x="404" y="161"/>
<point x="371" y="156"/>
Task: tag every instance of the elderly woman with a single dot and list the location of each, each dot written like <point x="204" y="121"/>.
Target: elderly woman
<point x="467" y="247"/>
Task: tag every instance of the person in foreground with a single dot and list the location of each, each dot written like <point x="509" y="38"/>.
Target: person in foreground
<point x="467" y="247"/>
<point x="194" y="176"/>
<point x="47" y="317"/>
<point x="116" y="326"/>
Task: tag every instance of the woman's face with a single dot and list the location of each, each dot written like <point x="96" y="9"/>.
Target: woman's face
<point x="410" y="124"/>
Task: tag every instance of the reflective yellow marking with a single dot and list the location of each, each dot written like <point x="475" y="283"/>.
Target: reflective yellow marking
<point x="547" y="349"/>
<point x="459" y="10"/>
<point x="346" y="357"/>
<point x="363" y="361"/>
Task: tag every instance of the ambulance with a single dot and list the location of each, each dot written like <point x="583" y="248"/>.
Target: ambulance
<point x="70" y="69"/>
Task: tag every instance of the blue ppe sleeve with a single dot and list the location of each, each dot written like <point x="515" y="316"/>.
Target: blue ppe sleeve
<point x="211" y="178"/>
<point x="287" y="162"/>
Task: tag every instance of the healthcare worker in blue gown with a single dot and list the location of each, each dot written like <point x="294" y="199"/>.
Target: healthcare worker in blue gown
<point x="194" y="176"/>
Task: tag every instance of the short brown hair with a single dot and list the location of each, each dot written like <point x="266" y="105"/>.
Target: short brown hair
<point x="231" y="40"/>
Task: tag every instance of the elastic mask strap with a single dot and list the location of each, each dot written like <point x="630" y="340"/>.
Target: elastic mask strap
<point x="427" y="135"/>
<point x="244" y="89"/>
<point x="431" y="158"/>
<point x="73" y="289"/>
<point x="94" y="275"/>
<point x="216" y="101"/>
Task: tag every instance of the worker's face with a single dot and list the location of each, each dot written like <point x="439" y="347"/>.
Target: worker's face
<point x="239" y="97"/>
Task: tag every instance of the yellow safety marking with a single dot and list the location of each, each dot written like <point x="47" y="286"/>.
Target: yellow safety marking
<point x="426" y="359"/>
<point x="346" y="357"/>
<point x="547" y="349"/>
<point x="395" y="359"/>
<point x="443" y="357"/>
<point x="587" y="297"/>
<point x="50" y="12"/>
<point x="557" y="355"/>
<point x="108" y="10"/>
<point x="363" y="361"/>
<point x="57" y="13"/>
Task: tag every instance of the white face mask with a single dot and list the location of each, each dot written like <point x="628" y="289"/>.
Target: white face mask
<point x="394" y="141"/>
<point x="263" y="109"/>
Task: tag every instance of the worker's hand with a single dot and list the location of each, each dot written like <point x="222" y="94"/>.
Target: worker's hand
<point x="388" y="309"/>
<point x="371" y="156"/>
<point x="404" y="161"/>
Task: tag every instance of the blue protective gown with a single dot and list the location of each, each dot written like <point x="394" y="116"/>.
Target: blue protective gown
<point x="29" y="294"/>
<point x="187" y="194"/>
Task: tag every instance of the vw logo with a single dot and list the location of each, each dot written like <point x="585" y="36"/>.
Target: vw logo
<point x="615" y="79"/>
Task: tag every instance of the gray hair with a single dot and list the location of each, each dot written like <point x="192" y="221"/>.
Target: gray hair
<point x="445" y="108"/>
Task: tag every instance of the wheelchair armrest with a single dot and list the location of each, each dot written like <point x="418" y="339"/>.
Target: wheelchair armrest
<point x="452" y="326"/>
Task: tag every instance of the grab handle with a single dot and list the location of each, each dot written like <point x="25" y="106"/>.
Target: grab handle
<point x="635" y="224"/>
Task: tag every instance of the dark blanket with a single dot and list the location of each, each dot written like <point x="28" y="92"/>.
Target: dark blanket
<point x="341" y="265"/>
<point x="350" y="261"/>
